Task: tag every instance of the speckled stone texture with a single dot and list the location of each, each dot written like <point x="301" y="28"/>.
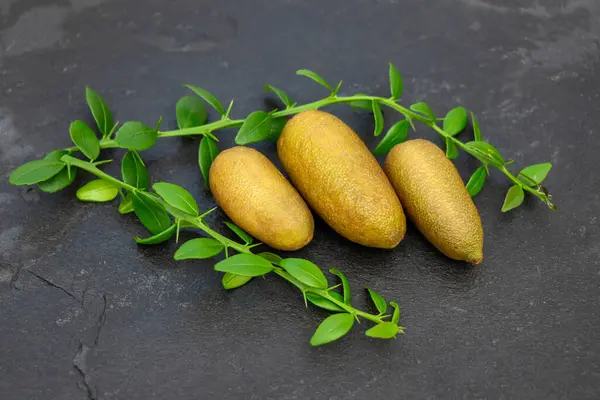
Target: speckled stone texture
<point x="85" y="313"/>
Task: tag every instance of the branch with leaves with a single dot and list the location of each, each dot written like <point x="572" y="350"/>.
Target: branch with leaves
<point x="169" y="208"/>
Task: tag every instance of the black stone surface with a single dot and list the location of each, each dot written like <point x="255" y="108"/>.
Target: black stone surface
<point x="87" y="313"/>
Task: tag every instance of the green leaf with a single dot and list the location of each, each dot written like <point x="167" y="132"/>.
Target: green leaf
<point x="207" y="152"/>
<point x="199" y="248"/>
<point x="325" y="303"/>
<point x="85" y="139"/>
<point x="232" y="281"/>
<point x="476" y="181"/>
<point x="190" y="112"/>
<point x="514" y="198"/>
<point x="337" y="88"/>
<point x="240" y="232"/>
<point x="423" y="108"/>
<point x="345" y="284"/>
<point x="60" y="180"/>
<point x="476" y="130"/>
<point x="255" y="128"/>
<point x="395" y="135"/>
<point x="134" y="173"/>
<point x="315" y="77"/>
<point x="277" y="125"/>
<point x="100" y="111"/>
<point x="396" y="84"/>
<point x="332" y="328"/>
<point x="305" y="271"/>
<point x="396" y="315"/>
<point x="451" y="149"/>
<point x="159" y="238"/>
<point x="98" y="190"/>
<point x="208" y="97"/>
<point x="126" y="205"/>
<point x="378" y="300"/>
<point x="378" y="116"/>
<point x="35" y="171"/>
<point x="150" y="212"/>
<point x="270" y="257"/>
<point x="282" y="95"/>
<point x="384" y="330"/>
<point x="245" y="265"/>
<point x="362" y="104"/>
<point x="455" y="121"/>
<point x="486" y="153"/>
<point x="136" y="136"/>
<point x="177" y="197"/>
<point x="534" y="175"/>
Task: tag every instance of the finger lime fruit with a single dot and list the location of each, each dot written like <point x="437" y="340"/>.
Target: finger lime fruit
<point x="258" y="198"/>
<point x="341" y="180"/>
<point x="435" y="199"/>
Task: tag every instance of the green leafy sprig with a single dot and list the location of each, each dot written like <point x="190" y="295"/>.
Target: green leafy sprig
<point x="260" y="125"/>
<point x="169" y="208"/>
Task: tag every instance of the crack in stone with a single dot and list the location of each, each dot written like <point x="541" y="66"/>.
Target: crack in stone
<point x="79" y="361"/>
<point x="54" y="285"/>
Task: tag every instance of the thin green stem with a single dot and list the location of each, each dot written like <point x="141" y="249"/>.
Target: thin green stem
<point x="87" y="166"/>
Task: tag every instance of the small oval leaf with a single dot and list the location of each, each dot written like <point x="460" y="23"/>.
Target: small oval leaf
<point x="378" y="300"/>
<point x="378" y="117"/>
<point x="232" y="281"/>
<point x="486" y="153"/>
<point x="160" y="238"/>
<point x="245" y="265"/>
<point x="395" y="135"/>
<point x="207" y="152"/>
<point x="190" y="112"/>
<point x="100" y="111"/>
<point x="98" y="190"/>
<point x="396" y="84"/>
<point x="134" y="172"/>
<point x="476" y="181"/>
<point x="423" y="108"/>
<point x="282" y="95"/>
<point x="305" y="271"/>
<point x="332" y="328"/>
<point x="534" y="175"/>
<point x="208" y="97"/>
<point x="85" y="139"/>
<point x="255" y="128"/>
<point x="345" y="285"/>
<point x="277" y="125"/>
<point x="384" y="330"/>
<point x="150" y="212"/>
<point x="514" y="198"/>
<point x="239" y="232"/>
<point x="315" y="77"/>
<point x="198" y="249"/>
<point x="35" y="171"/>
<point x="455" y="121"/>
<point x="362" y="104"/>
<point x="324" y="303"/>
<point x="136" y="136"/>
<point x="177" y="197"/>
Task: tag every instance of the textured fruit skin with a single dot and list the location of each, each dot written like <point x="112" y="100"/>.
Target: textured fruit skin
<point x="435" y="199"/>
<point x="258" y="198"/>
<point x="341" y="180"/>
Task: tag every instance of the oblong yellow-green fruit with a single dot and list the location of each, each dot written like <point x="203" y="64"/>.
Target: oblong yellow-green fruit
<point x="435" y="199"/>
<point x="258" y="198"/>
<point x="341" y="180"/>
